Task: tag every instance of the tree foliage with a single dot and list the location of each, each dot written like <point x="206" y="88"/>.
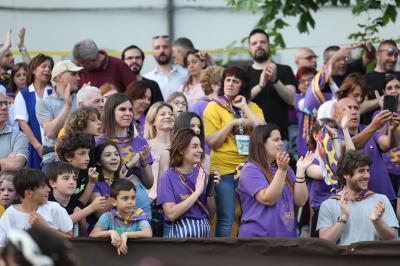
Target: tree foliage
<point x="274" y="12"/>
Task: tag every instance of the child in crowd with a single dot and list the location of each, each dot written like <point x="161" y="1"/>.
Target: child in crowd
<point x="74" y="148"/>
<point x="62" y="180"/>
<point x="35" y="209"/>
<point x="124" y="220"/>
<point x="7" y="189"/>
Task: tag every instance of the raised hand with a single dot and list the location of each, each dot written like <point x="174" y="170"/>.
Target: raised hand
<point x="200" y="182"/>
<point x="271" y="71"/>
<point x="345" y="205"/>
<point x="264" y="78"/>
<point x="93" y="175"/>
<point x="377" y="212"/>
<point x="99" y="204"/>
<point x="239" y="102"/>
<point x="282" y="160"/>
<point x="67" y="95"/>
<point x="304" y="162"/>
<point x="379" y="97"/>
<point x="21" y="35"/>
<point x="7" y="41"/>
<point x="344" y="123"/>
<point x="145" y="152"/>
<point x="394" y="122"/>
<point x="381" y="119"/>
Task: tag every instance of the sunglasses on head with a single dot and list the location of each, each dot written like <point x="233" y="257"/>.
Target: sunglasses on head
<point x="391" y="51"/>
<point x="161" y="36"/>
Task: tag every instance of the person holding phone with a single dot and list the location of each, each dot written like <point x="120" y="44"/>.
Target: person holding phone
<point x="182" y="189"/>
<point x="228" y="122"/>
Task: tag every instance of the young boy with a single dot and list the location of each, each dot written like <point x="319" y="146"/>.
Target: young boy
<point x="35" y="209"/>
<point x="62" y="180"/>
<point x="124" y="220"/>
<point x="75" y="149"/>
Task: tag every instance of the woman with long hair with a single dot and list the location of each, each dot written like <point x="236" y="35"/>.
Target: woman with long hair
<point x="268" y="188"/>
<point x="18" y="79"/>
<point x="39" y="75"/>
<point x="134" y="150"/>
<point x="228" y="122"/>
<point x="179" y="102"/>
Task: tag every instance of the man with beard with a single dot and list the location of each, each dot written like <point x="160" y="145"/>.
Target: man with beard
<point x="100" y="68"/>
<point x="356" y="214"/>
<point x="273" y="85"/>
<point x="386" y="60"/>
<point x="168" y="76"/>
<point x="53" y="110"/>
<point x="133" y="56"/>
<point x="372" y="141"/>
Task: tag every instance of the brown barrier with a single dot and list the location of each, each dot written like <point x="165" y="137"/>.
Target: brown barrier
<point x="238" y="252"/>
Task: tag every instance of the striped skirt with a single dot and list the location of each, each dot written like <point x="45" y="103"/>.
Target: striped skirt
<point x="190" y="227"/>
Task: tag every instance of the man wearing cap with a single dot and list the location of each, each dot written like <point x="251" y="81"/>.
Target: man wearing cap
<point x="52" y="111"/>
<point x="100" y="68"/>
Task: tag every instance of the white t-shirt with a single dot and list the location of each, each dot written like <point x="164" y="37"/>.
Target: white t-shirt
<point x="21" y="113"/>
<point x="53" y="214"/>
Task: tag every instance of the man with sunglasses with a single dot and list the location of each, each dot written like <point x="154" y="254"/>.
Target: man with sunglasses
<point x="168" y="76"/>
<point x="305" y="57"/>
<point x="13" y="143"/>
<point x="386" y="60"/>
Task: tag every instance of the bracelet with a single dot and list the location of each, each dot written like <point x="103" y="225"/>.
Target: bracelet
<point x="300" y="180"/>
<point x="37" y="146"/>
<point x="143" y="163"/>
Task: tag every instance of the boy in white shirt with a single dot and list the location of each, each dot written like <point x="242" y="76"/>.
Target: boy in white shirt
<point x="35" y="209"/>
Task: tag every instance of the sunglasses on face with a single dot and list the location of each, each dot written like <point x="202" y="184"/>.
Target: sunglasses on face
<point x="391" y="51"/>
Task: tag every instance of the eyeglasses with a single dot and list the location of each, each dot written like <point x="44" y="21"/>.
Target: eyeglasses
<point x="178" y="103"/>
<point x="310" y="57"/>
<point x="161" y="36"/>
<point x="391" y="51"/>
<point x="5" y="103"/>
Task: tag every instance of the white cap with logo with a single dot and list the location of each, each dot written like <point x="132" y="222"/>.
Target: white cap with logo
<point x="64" y="65"/>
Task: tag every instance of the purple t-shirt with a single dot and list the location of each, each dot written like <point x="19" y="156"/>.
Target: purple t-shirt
<point x="392" y="157"/>
<point x="259" y="220"/>
<point x="380" y="180"/>
<point x="171" y="189"/>
<point x="102" y="187"/>
<point x="319" y="191"/>
<point x="127" y="149"/>
<point x="301" y="135"/>
<point x="139" y="124"/>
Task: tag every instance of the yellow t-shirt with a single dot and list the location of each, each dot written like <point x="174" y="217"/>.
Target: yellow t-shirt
<point x="2" y="210"/>
<point x="226" y="158"/>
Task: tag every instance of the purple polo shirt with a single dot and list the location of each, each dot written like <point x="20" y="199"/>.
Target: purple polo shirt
<point x="171" y="189"/>
<point x="300" y="141"/>
<point x="139" y="124"/>
<point x="380" y="180"/>
<point x="112" y="70"/>
<point x="259" y="220"/>
<point x="127" y="149"/>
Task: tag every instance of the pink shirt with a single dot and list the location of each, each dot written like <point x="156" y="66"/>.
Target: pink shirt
<point x="192" y="92"/>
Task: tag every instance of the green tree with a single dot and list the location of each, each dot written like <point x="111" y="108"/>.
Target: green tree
<point x="274" y="12"/>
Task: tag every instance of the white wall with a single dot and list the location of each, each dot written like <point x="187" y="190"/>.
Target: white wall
<point x="57" y="25"/>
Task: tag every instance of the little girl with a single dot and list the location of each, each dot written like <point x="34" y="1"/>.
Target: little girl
<point x="7" y="190"/>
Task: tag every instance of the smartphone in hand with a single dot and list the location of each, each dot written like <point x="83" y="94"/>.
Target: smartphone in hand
<point x="390" y="103"/>
<point x="210" y="185"/>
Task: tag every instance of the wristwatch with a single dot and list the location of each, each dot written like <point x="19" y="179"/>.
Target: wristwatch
<point x="341" y="220"/>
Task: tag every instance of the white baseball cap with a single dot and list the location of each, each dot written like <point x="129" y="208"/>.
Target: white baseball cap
<point x="64" y="65"/>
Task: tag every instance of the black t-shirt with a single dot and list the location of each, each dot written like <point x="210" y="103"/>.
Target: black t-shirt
<point x="274" y="108"/>
<point x="72" y="204"/>
<point x="83" y="176"/>
<point x="156" y="94"/>
<point x="375" y="81"/>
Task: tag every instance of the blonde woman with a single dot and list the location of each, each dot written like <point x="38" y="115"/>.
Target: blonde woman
<point x="157" y="131"/>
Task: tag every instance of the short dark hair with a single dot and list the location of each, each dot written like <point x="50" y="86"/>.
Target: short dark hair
<point x="349" y="162"/>
<point x="132" y="47"/>
<point x="58" y="168"/>
<point x="384" y="42"/>
<point x="28" y="179"/>
<point x="68" y="144"/>
<point x="35" y="63"/>
<point x="180" y="141"/>
<point x="258" y="30"/>
<point x="332" y="48"/>
<point x="239" y="73"/>
<point x="121" y="185"/>
<point x="137" y="90"/>
<point x="389" y="77"/>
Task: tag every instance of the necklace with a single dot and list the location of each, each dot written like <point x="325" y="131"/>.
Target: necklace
<point x="180" y="172"/>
